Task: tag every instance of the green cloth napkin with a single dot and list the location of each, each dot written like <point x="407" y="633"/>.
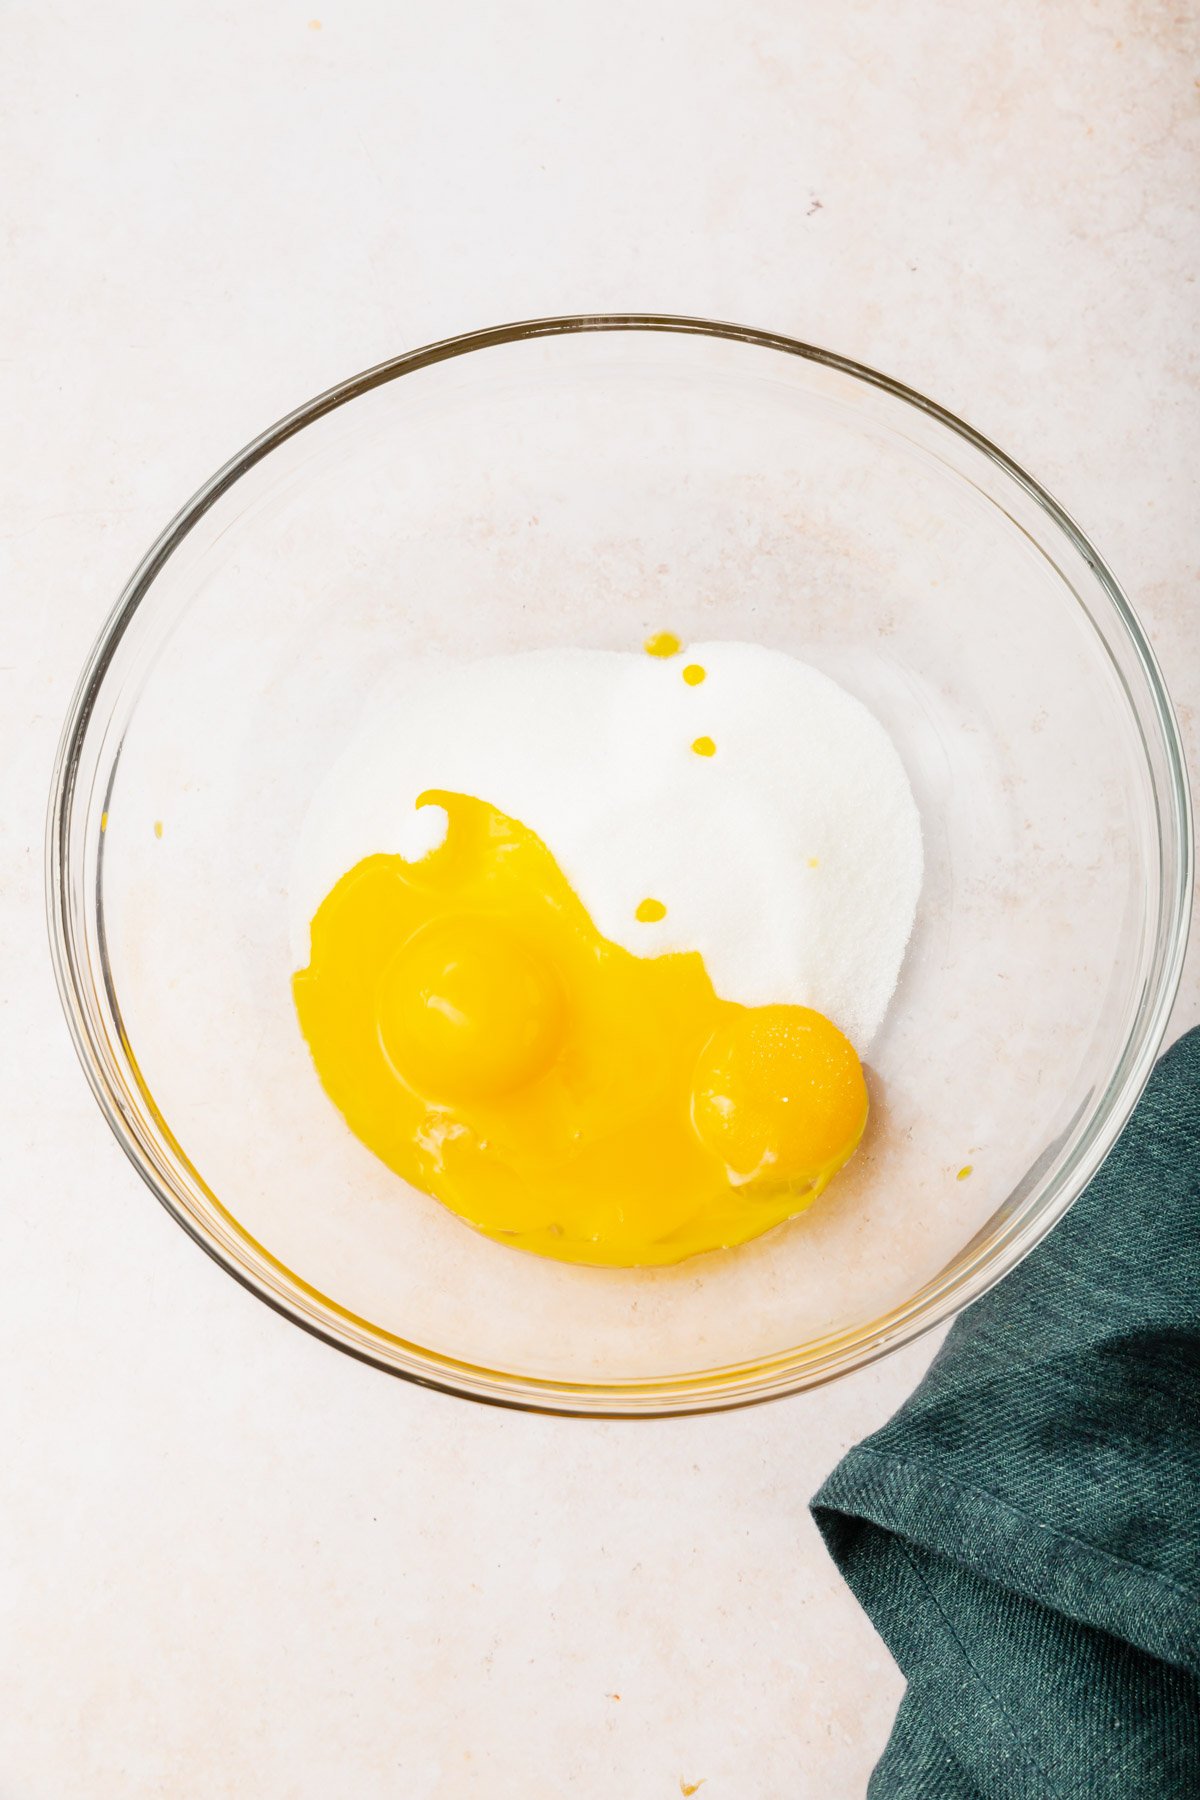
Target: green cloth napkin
<point x="1025" y="1532"/>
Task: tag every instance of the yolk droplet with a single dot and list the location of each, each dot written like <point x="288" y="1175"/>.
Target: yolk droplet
<point x="704" y="746"/>
<point x="158" y="827"/>
<point x="663" y="643"/>
<point x="694" y="674"/>
<point x="967" y="1169"/>
<point x="650" y="910"/>
<point x="814" y="862"/>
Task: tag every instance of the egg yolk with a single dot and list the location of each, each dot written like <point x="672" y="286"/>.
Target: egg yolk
<point x="558" y="1092"/>
<point x="467" y="1012"/>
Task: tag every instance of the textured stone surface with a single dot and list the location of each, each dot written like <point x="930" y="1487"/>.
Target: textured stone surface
<point x="235" y="1562"/>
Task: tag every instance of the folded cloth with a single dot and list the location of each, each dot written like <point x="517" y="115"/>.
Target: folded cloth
<point x="1025" y="1532"/>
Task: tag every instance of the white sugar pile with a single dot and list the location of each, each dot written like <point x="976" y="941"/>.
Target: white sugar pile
<point x="790" y="856"/>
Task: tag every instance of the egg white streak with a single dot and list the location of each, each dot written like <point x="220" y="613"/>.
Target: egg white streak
<point x="591" y="750"/>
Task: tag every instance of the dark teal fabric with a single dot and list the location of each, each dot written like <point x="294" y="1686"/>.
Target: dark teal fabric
<point x="1025" y="1532"/>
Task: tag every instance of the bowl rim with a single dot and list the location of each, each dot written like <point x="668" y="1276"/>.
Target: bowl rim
<point x="701" y="1390"/>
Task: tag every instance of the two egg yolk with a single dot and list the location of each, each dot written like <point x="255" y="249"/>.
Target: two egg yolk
<point x="560" y="1093"/>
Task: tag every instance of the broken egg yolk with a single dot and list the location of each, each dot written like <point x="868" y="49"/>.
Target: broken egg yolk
<point x="558" y="1092"/>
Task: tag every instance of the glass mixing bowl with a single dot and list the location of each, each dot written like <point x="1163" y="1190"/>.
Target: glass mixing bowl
<point x="583" y="482"/>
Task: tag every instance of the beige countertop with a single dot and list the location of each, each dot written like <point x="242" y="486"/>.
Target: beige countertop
<point x="235" y="1562"/>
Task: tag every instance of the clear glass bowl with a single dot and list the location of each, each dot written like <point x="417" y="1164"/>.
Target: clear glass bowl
<point x="583" y="482"/>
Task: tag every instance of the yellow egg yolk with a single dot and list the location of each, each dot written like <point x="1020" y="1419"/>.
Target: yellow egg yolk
<point x="560" y="1093"/>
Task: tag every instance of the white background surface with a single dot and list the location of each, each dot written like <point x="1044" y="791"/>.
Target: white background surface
<point x="234" y="1563"/>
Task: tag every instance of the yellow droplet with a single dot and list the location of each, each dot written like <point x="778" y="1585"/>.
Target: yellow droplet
<point x="704" y="746"/>
<point x="814" y="862"/>
<point x="663" y="643"/>
<point x="158" y="827"/>
<point x="314" y="24"/>
<point x="694" y="674"/>
<point x="650" y="910"/>
<point x="687" y="1788"/>
<point x="104" y="821"/>
<point x="964" y="1171"/>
